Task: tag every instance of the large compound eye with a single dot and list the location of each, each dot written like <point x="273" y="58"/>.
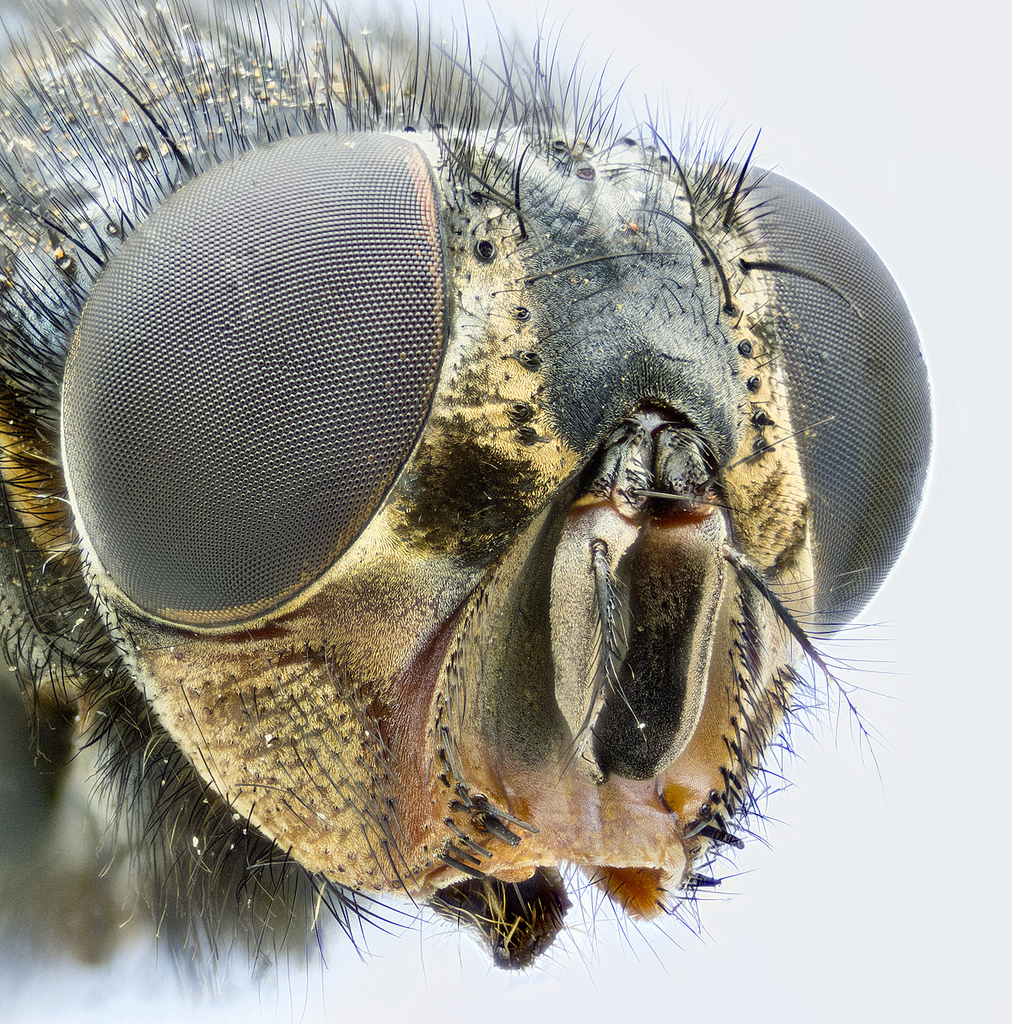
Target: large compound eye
<point x="251" y="371"/>
<point x="856" y="377"/>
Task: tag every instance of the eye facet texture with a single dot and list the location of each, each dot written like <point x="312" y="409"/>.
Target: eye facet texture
<point x="432" y="498"/>
<point x="858" y="391"/>
<point x="251" y="370"/>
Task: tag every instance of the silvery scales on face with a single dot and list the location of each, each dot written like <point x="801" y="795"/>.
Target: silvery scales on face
<point x="413" y="485"/>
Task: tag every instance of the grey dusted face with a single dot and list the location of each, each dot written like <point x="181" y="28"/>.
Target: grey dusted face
<point x="447" y="496"/>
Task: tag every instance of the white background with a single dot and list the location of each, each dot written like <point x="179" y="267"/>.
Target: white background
<point x="878" y="899"/>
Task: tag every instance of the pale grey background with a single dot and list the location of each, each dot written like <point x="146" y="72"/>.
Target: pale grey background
<point x="877" y="900"/>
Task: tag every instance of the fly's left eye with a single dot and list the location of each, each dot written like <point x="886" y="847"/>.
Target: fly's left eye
<point x="252" y="369"/>
<point x="855" y="367"/>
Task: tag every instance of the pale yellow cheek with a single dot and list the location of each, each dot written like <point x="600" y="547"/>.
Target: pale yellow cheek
<point x="291" y="753"/>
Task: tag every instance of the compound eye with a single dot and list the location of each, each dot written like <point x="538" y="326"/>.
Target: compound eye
<point x="251" y="371"/>
<point x="857" y="378"/>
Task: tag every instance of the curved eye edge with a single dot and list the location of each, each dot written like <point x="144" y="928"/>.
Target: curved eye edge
<point x="855" y="367"/>
<point x="251" y="371"/>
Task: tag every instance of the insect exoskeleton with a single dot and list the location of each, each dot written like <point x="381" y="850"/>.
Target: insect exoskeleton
<point x="415" y="498"/>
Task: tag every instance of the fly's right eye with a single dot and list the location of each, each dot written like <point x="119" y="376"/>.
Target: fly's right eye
<point x="252" y="369"/>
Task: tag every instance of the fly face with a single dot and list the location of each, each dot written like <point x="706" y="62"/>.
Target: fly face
<point x="420" y="491"/>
